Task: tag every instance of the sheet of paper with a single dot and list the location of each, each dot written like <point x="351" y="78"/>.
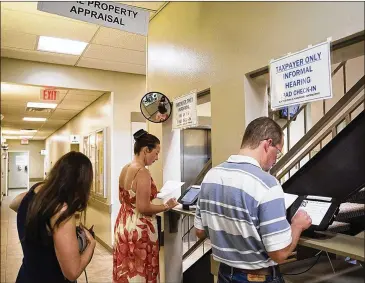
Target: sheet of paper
<point x="289" y="199"/>
<point x="315" y="209"/>
<point x="170" y="189"/>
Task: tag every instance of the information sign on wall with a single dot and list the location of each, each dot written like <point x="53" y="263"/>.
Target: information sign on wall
<point x="185" y="111"/>
<point x="301" y="77"/>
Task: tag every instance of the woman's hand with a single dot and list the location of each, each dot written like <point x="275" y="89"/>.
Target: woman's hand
<point x="171" y="203"/>
<point x="90" y="239"/>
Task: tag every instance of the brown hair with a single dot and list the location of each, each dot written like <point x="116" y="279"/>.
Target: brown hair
<point x="69" y="182"/>
<point x="261" y="129"/>
<point x="143" y="139"/>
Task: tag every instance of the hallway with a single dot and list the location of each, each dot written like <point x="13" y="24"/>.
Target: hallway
<point x="98" y="271"/>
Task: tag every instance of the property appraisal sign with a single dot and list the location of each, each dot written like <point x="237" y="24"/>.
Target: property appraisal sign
<point x="108" y="14"/>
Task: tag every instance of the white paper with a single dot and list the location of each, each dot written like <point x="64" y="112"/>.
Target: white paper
<point x="289" y="199"/>
<point x="315" y="209"/>
<point x="171" y="189"/>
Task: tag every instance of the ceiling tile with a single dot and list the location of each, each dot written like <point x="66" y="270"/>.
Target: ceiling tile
<point x="53" y="123"/>
<point x="38" y="24"/>
<point x="112" y="66"/>
<point x="147" y="5"/>
<point x="121" y="39"/>
<point x="18" y="40"/>
<point x="109" y="53"/>
<point x="11" y="109"/>
<point x="80" y="98"/>
<point x="39" y="56"/>
<point x="85" y="92"/>
<point x="64" y="114"/>
<point x="73" y="105"/>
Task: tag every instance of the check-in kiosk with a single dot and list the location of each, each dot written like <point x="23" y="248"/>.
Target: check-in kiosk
<point x="189" y="197"/>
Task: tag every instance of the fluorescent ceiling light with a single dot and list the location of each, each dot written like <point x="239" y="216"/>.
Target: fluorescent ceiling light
<point x="60" y="45"/>
<point x="26" y="137"/>
<point x="10" y="137"/>
<point x="33" y="119"/>
<point x="28" y="131"/>
<point x="42" y="105"/>
<point x="10" y="132"/>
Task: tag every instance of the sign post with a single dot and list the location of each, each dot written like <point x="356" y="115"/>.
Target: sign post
<point x="185" y="111"/>
<point x="301" y="77"/>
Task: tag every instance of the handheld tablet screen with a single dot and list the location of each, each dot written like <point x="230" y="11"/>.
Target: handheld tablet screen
<point x="190" y="195"/>
<point x="315" y="209"/>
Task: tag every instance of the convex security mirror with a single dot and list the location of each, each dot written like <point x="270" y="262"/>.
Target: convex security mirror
<point x="155" y="107"/>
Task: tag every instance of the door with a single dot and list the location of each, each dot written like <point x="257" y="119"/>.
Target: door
<point x="18" y="170"/>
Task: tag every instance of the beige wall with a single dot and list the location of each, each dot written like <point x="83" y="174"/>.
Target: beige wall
<point x="197" y="45"/>
<point x="126" y="91"/>
<point x="36" y="160"/>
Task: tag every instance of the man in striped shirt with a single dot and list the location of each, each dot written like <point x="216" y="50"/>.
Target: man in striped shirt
<point x="241" y="209"/>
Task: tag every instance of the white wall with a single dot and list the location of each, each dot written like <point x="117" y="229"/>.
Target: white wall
<point x="126" y="91"/>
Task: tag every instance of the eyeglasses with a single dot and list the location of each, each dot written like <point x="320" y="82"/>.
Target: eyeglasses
<point x="279" y="153"/>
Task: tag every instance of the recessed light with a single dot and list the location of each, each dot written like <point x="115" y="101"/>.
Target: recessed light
<point x="60" y="45"/>
<point x="33" y="119"/>
<point x="42" y="105"/>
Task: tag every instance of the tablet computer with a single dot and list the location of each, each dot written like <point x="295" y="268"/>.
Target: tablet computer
<point x="190" y="196"/>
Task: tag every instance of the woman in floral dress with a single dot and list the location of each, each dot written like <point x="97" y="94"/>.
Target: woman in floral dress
<point x="135" y="254"/>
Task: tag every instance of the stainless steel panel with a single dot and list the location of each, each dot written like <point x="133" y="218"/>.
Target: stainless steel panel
<point x="195" y="153"/>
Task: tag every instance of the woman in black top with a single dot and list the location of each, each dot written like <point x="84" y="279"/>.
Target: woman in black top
<point x="47" y="226"/>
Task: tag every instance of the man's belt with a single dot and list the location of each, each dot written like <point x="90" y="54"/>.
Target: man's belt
<point x="261" y="271"/>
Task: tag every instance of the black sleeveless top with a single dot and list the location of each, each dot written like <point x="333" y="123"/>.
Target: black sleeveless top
<point x="40" y="264"/>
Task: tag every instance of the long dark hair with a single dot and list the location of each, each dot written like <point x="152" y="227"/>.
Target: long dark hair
<point x="69" y="183"/>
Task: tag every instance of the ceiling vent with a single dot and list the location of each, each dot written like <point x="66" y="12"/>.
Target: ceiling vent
<point x="38" y="110"/>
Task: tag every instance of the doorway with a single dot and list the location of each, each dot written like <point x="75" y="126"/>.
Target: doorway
<point x="18" y="170"/>
<point x="75" y="147"/>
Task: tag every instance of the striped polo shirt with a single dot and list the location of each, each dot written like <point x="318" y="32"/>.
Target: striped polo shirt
<point x="242" y="210"/>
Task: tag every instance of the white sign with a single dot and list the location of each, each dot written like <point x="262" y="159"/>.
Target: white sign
<point x="185" y="111"/>
<point x="43" y="152"/>
<point x="75" y="139"/>
<point x="20" y="160"/>
<point x="108" y="14"/>
<point x="301" y="77"/>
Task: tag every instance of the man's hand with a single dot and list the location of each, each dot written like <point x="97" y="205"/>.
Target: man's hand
<point x="301" y="219"/>
<point x="200" y="233"/>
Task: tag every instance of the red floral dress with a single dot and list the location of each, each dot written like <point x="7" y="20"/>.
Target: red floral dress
<point x="135" y="254"/>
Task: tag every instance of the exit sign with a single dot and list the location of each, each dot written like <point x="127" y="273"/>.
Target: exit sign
<point x="49" y="94"/>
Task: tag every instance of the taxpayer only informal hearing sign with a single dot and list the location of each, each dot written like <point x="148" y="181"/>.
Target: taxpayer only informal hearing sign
<point x="108" y="14"/>
<point x="301" y="77"/>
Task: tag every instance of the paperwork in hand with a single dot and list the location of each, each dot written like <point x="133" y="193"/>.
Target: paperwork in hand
<point x="171" y="189"/>
<point x="289" y="199"/>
